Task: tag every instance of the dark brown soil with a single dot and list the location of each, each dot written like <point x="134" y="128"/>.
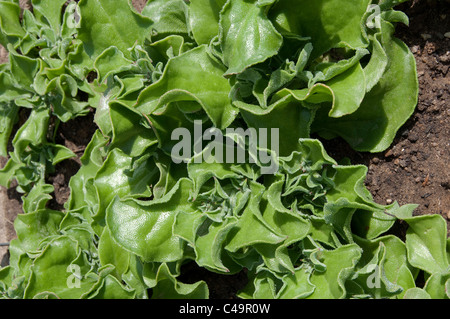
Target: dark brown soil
<point x="75" y="135"/>
<point x="415" y="169"/>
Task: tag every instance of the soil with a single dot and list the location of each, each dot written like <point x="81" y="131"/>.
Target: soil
<point x="415" y="169"/>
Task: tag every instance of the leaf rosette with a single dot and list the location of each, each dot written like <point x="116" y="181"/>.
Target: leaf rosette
<point x="135" y="216"/>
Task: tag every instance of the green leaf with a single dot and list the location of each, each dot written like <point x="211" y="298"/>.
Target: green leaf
<point x="111" y="288"/>
<point x="33" y="131"/>
<point x="386" y="270"/>
<point x="105" y="24"/>
<point x="122" y="176"/>
<point x="136" y="214"/>
<point x="165" y="286"/>
<point x="284" y="221"/>
<point x="349" y="192"/>
<point x="204" y="18"/>
<point x="288" y="113"/>
<point x="10" y="90"/>
<point x="111" y="253"/>
<point x="36" y="227"/>
<point x="247" y="36"/>
<point x="23" y="68"/>
<point x="294" y="227"/>
<point x="111" y="61"/>
<point x="297" y="286"/>
<point x="8" y="117"/>
<point x="376" y="67"/>
<point x="385" y="108"/>
<point x="131" y="133"/>
<point x="209" y="247"/>
<point x="437" y="285"/>
<point x="348" y="90"/>
<point x="81" y="186"/>
<point x="416" y="293"/>
<point x="79" y="62"/>
<point x="290" y="117"/>
<point x="146" y="228"/>
<point x="251" y="227"/>
<point x="210" y="90"/>
<point x="8" y="171"/>
<point x="286" y="74"/>
<point x="261" y="285"/>
<point x="340" y="264"/>
<point x="51" y="11"/>
<point x="169" y="17"/>
<point x="10" y="22"/>
<point x="426" y="241"/>
<point x="37" y="198"/>
<point x="328" y="23"/>
<point x="60" y="153"/>
<point x="67" y="279"/>
<point x="169" y="47"/>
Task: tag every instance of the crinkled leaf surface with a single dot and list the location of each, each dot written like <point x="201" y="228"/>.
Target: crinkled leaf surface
<point x="168" y="16"/>
<point x="209" y="89"/>
<point x="386" y="107"/>
<point x="247" y="36"/>
<point x="106" y="23"/>
<point x="204" y="18"/>
<point x="310" y="229"/>
<point x="329" y="23"/>
<point x="427" y="243"/>
<point x="146" y="229"/>
<point x="339" y="264"/>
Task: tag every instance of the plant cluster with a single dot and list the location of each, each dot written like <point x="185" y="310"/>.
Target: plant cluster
<point x="134" y="217"/>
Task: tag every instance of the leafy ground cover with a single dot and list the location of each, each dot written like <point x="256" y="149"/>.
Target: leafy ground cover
<point x="303" y="220"/>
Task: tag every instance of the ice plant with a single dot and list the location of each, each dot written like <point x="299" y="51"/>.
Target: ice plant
<point x="308" y="230"/>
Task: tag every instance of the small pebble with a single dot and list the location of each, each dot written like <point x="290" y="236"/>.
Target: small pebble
<point x="426" y="36"/>
<point x="413" y="137"/>
<point x="445" y="57"/>
<point x="447" y="34"/>
<point x="388" y="201"/>
<point x="403" y="163"/>
<point x="415" y="49"/>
